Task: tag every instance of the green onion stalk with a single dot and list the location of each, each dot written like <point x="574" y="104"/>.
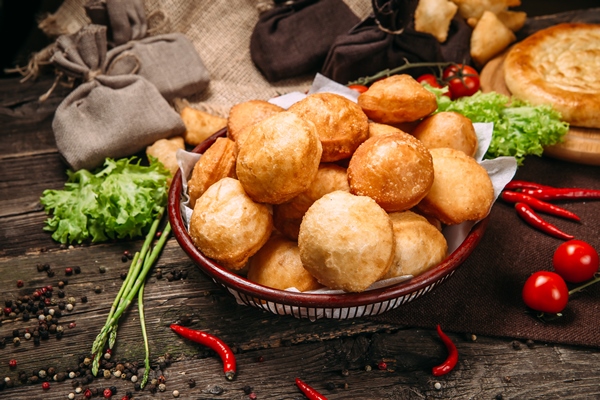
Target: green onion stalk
<point x="133" y="285"/>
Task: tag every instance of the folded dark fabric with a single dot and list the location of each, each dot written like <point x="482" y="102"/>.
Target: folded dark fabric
<point x="293" y="38"/>
<point x="105" y="116"/>
<point x="387" y="39"/>
<point x="169" y="61"/>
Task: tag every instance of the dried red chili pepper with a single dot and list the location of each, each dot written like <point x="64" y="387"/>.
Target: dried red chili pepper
<point x="450" y="362"/>
<point x="214" y="343"/>
<point x="533" y="219"/>
<point x="538" y="205"/>
<point x="563" y="193"/>
<point x="309" y="391"/>
<point x="518" y="184"/>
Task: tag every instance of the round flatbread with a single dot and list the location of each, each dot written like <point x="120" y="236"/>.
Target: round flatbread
<point x="559" y="66"/>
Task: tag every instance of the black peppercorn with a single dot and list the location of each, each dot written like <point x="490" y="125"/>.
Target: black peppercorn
<point x="84" y="299"/>
<point x="77" y="269"/>
<point x="247" y="389"/>
<point x="50" y="273"/>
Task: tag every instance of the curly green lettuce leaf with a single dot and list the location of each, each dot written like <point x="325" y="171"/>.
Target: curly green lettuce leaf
<point x="118" y="201"/>
<point x="520" y="129"/>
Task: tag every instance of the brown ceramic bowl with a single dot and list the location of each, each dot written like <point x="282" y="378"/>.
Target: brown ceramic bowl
<point x="307" y="305"/>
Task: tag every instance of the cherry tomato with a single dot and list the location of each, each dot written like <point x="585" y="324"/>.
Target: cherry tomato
<point x="430" y="79"/>
<point x="359" y="88"/>
<point x="576" y="261"/>
<point x="462" y="80"/>
<point x="546" y="291"/>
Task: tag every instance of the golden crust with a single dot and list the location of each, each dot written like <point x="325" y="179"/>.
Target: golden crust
<point x="462" y="189"/>
<point x="278" y="265"/>
<point x="559" y="66"/>
<point x="346" y="241"/>
<point x="243" y="115"/>
<point x="447" y="129"/>
<point x="420" y="246"/>
<point x="288" y="216"/>
<point x="341" y="124"/>
<point x="165" y="150"/>
<point x="200" y="125"/>
<point x="397" y="99"/>
<point x="229" y="227"/>
<point x="279" y="159"/>
<point x="376" y="129"/>
<point x="434" y="17"/>
<point x="395" y="170"/>
<point x="217" y="162"/>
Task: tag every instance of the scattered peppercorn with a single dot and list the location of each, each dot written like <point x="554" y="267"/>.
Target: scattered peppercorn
<point x="46" y="385"/>
<point x="98" y="289"/>
<point x="516" y="345"/>
<point x="382" y="365"/>
<point x="247" y="389"/>
<point x="20" y="283"/>
<point x="192" y="383"/>
<point x="102" y="269"/>
<point x="530" y="343"/>
<point x="12" y="363"/>
<point x="77" y="269"/>
<point x="68" y="271"/>
<point x="175" y="393"/>
<point x="107" y="393"/>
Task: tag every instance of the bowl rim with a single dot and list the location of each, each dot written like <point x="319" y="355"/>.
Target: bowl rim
<point x="242" y="285"/>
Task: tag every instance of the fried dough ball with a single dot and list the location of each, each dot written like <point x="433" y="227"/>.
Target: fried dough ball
<point x="395" y="170"/>
<point x="397" y="99"/>
<point x="376" y="129"/>
<point x="462" y="189"/>
<point x="200" y="125"/>
<point x="279" y="159"/>
<point x="243" y="115"/>
<point x="217" y="162"/>
<point x="447" y="129"/>
<point x="165" y="150"/>
<point x="341" y="124"/>
<point x="346" y="241"/>
<point x="420" y="246"/>
<point x="288" y="216"/>
<point x="277" y="265"/>
<point x="227" y="226"/>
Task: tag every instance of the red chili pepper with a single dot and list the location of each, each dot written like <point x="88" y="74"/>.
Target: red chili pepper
<point x="308" y="391"/>
<point x="450" y="362"/>
<point x="538" y="205"/>
<point x="563" y="193"/>
<point x="214" y="343"/>
<point x="538" y="222"/>
<point x="518" y="184"/>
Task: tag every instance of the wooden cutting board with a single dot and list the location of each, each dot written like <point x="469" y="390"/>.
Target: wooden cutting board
<point x="581" y="145"/>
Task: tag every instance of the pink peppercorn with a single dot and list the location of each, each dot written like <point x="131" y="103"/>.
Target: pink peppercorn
<point x="382" y="365"/>
<point x="20" y="283"/>
<point x="46" y="385"/>
<point x="107" y="393"/>
<point x="12" y="363"/>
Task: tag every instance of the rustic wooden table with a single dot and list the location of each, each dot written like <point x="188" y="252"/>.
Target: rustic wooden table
<point x="339" y="358"/>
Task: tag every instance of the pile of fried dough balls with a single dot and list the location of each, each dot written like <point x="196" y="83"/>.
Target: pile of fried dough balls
<point x="492" y="21"/>
<point x="333" y="193"/>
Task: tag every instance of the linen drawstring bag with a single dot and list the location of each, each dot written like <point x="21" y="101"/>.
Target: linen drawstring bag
<point x="106" y="115"/>
<point x="169" y="61"/>
<point x="387" y="39"/>
<point x="293" y="37"/>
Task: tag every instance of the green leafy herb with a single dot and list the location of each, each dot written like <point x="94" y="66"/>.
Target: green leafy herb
<point x="119" y="200"/>
<point x="520" y="129"/>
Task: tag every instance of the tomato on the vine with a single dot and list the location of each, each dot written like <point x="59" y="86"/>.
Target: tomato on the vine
<point x="430" y="79"/>
<point x="576" y="261"/>
<point x="462" y="80"/>
<point x="546" y="291"/>
<point x="358" y="88"/>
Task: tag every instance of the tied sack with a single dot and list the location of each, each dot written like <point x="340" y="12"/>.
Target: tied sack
<point x="293" y="37"/>
<point x="387" y="39"/>
<point x="105" y="116"/>
<point x="169" y="61"/>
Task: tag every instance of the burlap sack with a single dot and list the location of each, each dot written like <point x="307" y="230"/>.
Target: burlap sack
<point x="169" y="61"/>
<point x="106" y="116"/>
<point x="388" y="40"/>
<point x="293" y="38"/>
<point x="220" y="34"/>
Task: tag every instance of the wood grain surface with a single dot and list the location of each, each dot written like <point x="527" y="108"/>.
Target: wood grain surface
<point x="339" y="358"/>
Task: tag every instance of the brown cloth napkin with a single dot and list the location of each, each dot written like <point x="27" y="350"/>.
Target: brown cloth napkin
<point x="293" y="38"/>
<point x="484" y="295"/>
<point x="387" y="39"/>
